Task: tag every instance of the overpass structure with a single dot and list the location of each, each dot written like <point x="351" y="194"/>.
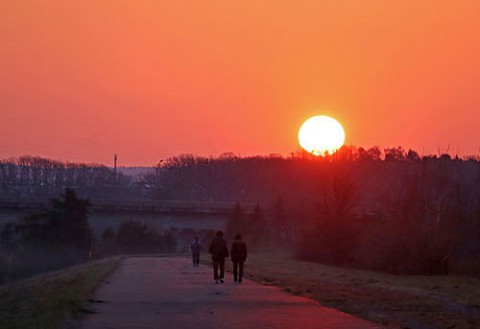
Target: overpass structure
<point x="138" y="206"/>
<point x="186" y="218"/>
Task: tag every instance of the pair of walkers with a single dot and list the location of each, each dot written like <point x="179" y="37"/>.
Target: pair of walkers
<point x="219" y="251"/>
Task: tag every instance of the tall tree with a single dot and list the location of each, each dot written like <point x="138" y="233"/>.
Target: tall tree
<point x="257" y="222"/>
<point x="280" y="221"/>
<point x="63" y="224"/>
<point x="236" y="222"/>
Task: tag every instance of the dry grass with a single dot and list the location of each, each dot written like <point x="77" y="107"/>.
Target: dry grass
<point x="394" y="301"/>
<point x="52" y="300"/>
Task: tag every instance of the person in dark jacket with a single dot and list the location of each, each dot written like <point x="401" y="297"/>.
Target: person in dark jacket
<point x="196" y="247"/>
<point x="219" y="251"/>
<point x="238" y="256"/>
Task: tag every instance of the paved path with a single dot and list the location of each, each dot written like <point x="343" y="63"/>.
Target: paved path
<point x="152" y="292"/>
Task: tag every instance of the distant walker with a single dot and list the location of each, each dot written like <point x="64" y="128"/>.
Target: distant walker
<point x="196" y="248"/>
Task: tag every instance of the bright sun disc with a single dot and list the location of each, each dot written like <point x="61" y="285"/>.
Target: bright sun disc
<point x="321" y="135"/>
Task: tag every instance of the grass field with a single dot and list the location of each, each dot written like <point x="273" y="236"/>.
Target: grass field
<point x="395" y="301"/>
<point x="52" y="300"/>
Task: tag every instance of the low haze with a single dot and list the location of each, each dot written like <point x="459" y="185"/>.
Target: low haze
<point x="153" y="79"/>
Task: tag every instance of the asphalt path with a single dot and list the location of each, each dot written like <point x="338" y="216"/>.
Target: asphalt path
<point x="155" y="292"/>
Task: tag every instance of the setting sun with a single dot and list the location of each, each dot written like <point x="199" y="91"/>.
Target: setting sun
<point x="321" y="135"/>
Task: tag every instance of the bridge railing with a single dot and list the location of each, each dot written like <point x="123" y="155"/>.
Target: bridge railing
<point x="157" y="206"/>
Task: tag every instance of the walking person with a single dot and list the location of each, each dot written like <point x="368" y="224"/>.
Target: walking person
<point x="238" y="256"/>
<point x="196" y="247"/>
<point x="219" y="251"/>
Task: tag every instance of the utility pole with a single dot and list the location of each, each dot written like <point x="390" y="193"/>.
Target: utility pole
<point x="115" y="164"/>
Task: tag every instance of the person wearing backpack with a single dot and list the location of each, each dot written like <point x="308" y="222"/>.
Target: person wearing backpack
<point x="196" y="247"/>
<point x="219" y="251"/>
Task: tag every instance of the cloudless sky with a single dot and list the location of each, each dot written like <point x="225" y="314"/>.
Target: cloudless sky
<point x="149" y="79"/>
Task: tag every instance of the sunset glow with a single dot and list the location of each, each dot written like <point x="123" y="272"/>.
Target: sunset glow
<point x="83" y="80"/>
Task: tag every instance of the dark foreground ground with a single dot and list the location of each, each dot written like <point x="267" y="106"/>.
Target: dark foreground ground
<point x="151" y="292"/>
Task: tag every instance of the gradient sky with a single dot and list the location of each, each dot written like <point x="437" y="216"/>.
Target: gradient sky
<point x="149" y="79"/>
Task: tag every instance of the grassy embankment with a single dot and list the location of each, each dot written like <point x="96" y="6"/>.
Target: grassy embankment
<point x="392" y="300"/>
<point x="52" y="300"/>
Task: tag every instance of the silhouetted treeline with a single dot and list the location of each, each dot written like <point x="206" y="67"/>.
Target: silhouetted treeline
<point x="54" y="237"/>
<point x="60" y="235"/>
<point x="390" y="210"/>
<point x="136" y="237"/>
<point x="29" y="176"/>
<point x="299" y="179"/>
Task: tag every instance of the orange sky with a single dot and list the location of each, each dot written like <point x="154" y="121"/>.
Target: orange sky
<point x="149" y="79"/>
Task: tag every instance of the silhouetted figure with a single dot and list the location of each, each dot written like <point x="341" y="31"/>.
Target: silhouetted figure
<point x="196" y="247"/>
<point x="219" y="251"/>
<point x="238" y="256"/>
